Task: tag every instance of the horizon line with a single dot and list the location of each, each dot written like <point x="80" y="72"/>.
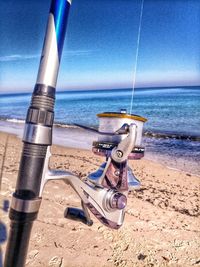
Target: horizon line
<point x="106" y="89"/>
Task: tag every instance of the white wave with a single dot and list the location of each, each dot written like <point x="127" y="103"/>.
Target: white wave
<point x="64" y="125"/>
<point x="15" y="120"/>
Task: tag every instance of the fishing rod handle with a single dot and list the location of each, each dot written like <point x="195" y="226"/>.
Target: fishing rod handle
<point x="17" y="245"/>
<point x="37" y="137"/>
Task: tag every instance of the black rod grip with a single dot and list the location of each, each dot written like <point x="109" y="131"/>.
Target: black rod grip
<point x="30" y="170"/>
<point x="18" y="240"/>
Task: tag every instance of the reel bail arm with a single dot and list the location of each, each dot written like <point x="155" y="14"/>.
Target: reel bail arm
<point x="121" y="152"/>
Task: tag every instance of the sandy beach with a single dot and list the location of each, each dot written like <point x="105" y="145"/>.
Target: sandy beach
<point x="161" y="226"/>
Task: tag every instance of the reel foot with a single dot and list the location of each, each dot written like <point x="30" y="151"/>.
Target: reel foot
<point x="133" y="182"/>
<point x="96" y="177"/>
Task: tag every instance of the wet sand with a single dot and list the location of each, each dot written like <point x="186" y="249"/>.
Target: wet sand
<point x="161" y="226"/>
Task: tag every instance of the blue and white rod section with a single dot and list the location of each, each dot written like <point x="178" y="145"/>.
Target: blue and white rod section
<point x="52" y="49"/>
<point x="37" y="137"/>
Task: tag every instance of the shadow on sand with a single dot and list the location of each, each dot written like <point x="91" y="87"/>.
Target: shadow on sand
<point x="3" y="237"/>
<point x="3" y="232"/>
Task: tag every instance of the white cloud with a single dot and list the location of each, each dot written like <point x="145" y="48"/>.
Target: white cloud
<point x="69" y="53"/>
<point x="77" y="53"/>
<point x="17" y="57"/>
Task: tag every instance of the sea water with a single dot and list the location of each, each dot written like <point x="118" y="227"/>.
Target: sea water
<point x="171" y="134"/>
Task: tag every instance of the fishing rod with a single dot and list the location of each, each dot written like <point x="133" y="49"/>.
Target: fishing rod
<point x="37" y="137"/>
<point x="104" y="192"/>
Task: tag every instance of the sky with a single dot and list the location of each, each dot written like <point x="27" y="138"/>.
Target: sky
<point x="101" y="44"/>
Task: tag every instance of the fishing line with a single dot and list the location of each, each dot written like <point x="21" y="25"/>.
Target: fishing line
<point x="136" y="54"/>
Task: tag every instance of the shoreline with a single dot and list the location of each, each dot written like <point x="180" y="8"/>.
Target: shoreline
<point x="161" y="226"/>
<point x="148" y="133"/>
<point x="176" y="154"/>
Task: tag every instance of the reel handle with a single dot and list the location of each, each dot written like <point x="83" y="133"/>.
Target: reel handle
<point x="77" y="215"/>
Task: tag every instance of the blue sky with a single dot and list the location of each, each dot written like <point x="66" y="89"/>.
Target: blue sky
<point x="100" y="47"/>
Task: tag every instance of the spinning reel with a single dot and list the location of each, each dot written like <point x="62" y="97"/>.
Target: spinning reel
<point x="105" y="191"/>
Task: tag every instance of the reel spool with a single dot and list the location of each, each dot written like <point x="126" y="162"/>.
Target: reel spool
<point x="109" y="125"/>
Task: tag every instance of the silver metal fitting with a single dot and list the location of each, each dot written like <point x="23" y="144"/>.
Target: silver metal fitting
<point x="27" y="206"/>
<point x="37" y="134"/>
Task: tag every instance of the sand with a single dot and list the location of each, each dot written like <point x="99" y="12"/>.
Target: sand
<point x="161" y="226"/>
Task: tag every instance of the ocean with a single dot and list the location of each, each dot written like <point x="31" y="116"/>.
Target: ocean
<point x="171" y="134"/>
